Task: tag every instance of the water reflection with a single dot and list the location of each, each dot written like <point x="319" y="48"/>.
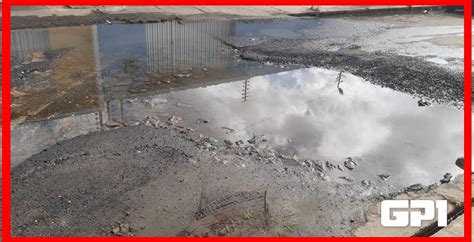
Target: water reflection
<point x="302" y="113"/>
<point x="95" y="64"/>
<point x="170" y="69"/>
<point x="90" y="70"/>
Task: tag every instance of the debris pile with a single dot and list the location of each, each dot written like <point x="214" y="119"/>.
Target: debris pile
<point x="256" y="149"/>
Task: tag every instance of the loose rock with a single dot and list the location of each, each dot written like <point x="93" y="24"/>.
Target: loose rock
<point x="330" y="165"/>
<point x="422" y="103"/>
<point x="414" y="187"/>
<point x="239" y="142"/>
<point x="152" y="121"/>
<point x="112" y="124"/>
<point x="346" y="178"/>
<point x="202" y="121"/>
<point x="384" y="176"/>
<point x="228" y="130"/>
<point x="182" y="75"/>
<point x="175" y="120"/>
<point x="184" y="105"/>
<point x="460" y="162"/>
<point x="350" y="163"/>
<point x="446" y="178"/>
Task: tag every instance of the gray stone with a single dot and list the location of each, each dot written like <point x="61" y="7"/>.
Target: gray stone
<point x="446" y="178"/>
<point x="414" y="187"/>
<point x="384" y="176"/>
<point x="175" y="120"/>
<point x="152" y="121"/>
<point x="460" y="162"/>
<point x="350" y="163"/>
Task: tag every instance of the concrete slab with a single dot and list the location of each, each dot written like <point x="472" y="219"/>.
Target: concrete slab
<point x="453" y="192"/>
<point x="454" y="229"/>
<point x="31" y="10"/>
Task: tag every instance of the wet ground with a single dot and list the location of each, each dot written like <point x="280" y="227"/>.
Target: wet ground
<point x="371" y="105"/>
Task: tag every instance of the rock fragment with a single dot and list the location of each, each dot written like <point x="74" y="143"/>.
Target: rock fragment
<point x="346" y="178"/>
<point x="384" y="176"/>
<point x="365" y="183"/>
<point x="339" y="167"/>
<point x="414" y="187"/>
<point x="152" y="121"/>
<point x="228" y="142"/>
<point x="460" y="162"/>
<point x="228" y="130"/>
<point x="184" y="105"/>
<point x="202" y="121"/>
<point x="422" y="103"/>
<point x="351" y="163"/>
<point x="446" y="178"/>
<point x="182" y="75"/>
<point x="239" y="142"/>
<point x="330" y="165"/>
<point x="112" y="124"/>
<point x="175" y="120"/>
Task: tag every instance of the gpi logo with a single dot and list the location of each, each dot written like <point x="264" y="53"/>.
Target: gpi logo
<point x="402" y="213"/>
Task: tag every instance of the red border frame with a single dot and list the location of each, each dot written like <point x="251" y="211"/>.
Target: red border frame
<point x="6" y="110"/>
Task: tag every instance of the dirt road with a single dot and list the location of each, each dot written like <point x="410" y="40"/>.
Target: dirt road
<point x="155" y="143"/>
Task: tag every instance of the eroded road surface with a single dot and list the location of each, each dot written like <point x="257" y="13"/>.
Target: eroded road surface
<point x="210" y="128"/>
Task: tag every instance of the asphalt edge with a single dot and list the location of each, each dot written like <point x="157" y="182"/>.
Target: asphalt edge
<point x="371" y="11"/>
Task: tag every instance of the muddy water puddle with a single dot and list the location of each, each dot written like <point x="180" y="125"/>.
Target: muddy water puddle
<point x="76" y="80"/>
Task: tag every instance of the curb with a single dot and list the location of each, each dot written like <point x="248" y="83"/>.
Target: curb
<point x="371" y="11"/>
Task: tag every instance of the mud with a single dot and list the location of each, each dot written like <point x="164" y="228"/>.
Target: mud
<point x="24" y="68"/>
<point x="33" y="76"/>
<point x="140" y="175"/>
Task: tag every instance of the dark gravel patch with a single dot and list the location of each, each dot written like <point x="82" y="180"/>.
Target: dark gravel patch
<point x="24" y="22"/>
<point x="402" y="73"/>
